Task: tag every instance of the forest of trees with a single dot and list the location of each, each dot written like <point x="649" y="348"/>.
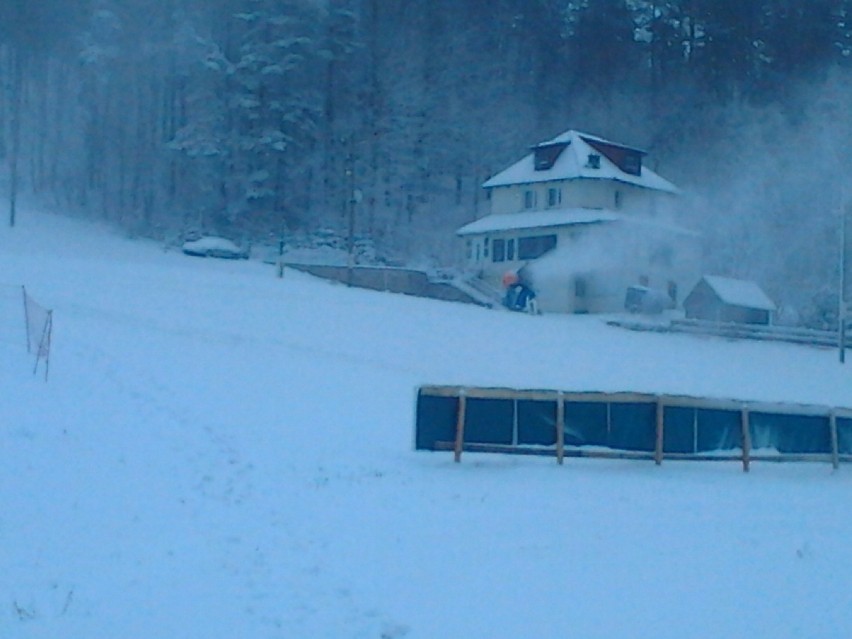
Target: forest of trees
<point x="253" y="118"/>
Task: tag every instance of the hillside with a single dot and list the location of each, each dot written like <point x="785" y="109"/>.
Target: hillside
<point x="219" y="453"/>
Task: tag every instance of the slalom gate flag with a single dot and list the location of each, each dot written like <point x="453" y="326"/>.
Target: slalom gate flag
<point x="39" y="323"/>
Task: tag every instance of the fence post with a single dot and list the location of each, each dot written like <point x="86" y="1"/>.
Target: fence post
<point x="746" y="439"/>
<point x="560" y="428"/>
<point x="658" y="450"/>
<point x="457" y="449"/>
<point x="832" y="424"/>
<point x="26" y="317"/>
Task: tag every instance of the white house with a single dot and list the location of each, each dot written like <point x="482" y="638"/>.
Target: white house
<point x="586" y="219"/>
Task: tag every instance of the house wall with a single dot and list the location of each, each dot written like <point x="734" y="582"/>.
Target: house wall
<point x="592" y="194"/>
<point x="481" y="256"/>
<point x="604" y="290"/>
<point x="592" y="265"/>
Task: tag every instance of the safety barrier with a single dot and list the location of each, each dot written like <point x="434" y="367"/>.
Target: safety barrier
<point x="37" y="323"/>
<point x="628" y="426"/>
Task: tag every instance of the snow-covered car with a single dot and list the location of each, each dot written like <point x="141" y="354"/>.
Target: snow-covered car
<point x="212" y="246"/>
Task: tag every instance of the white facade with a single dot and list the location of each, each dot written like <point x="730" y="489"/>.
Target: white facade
<point x="583" y="218"/>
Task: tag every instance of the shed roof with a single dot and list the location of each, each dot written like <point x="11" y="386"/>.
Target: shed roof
<point x="572" y="163"/>
<point x="537" y="219"/>
<point x="743" y="293"/>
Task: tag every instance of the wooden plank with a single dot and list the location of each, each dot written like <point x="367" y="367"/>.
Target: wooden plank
<point x="610" y="398"/>
<point x="658" y="449"/>
<point x="543" y="451"/>
<point x="792" y="457"/>
<point x="457" y="449"/>
<point x="746" y="439"/>
<point x="504" y="449"/>
<point x="728" y="457"/>
<point x="633" y="397"/>
<point x="607" y="454"/>
<point x="832" y="424"/>
<point x="560" y="429"/>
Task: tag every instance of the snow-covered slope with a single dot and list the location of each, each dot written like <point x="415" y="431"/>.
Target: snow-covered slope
<point x="219" y="453"/>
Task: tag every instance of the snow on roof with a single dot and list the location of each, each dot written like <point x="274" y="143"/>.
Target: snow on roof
<point x="537" y="219"/>
<point x="744" y="293"/>
<point x="572" y="163"/>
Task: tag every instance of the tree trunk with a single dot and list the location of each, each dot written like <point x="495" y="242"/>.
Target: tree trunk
<point x="14" y="158"/>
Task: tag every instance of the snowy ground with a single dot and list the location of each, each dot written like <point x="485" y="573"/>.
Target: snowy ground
<point x="219" y="454"/>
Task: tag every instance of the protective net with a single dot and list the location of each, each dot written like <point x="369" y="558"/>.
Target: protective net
<point x="35" y="331"/>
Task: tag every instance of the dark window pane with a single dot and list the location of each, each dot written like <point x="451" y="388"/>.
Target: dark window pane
<point x="633" y="426"/>
<point x="586" y="424"/>
<point x="536" y="422"/>
<point x="844" y="435"/>
<point x="790" y="433"/>
<point x="679" y="429"/>
<point x="498" y="250"/>
<point x="489" y="421"/>
<point x="719" y="430"/>
<point x="529" y="248"/>
<point x="436" y="420"/>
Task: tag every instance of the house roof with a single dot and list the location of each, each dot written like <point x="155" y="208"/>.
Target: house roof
<point x="572" y="162"/>
<point x="537" y="219"/>
<point x="552" y="218"/>
<point x="743" y="293"/>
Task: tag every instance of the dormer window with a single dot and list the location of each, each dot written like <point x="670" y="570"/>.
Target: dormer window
<point x="545" y="156"/>
<point x="632" y="164"/>
<point x="594" y="161"/>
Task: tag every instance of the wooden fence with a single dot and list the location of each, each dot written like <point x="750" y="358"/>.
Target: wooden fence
<point x="628" y="426"/>
<point x="734" y="330"/>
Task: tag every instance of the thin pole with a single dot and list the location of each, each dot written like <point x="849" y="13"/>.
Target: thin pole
<point x="47" y="347"/>
<point x="26" y="317"/>
<point x="457" y="450"/>
<point x="44" y="345"/>
<point x="832" y="424"/>
<point x="841" y="297"/>
<point x="658" y="450"/>
<point x="746" y="440"/>
<point x="560" y="428"/>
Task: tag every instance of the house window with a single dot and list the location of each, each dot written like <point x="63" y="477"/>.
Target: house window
<point x="545" y="156"/>
<point x="554" y="197"/>
<point x="618" y="199"/>
<point x="580" y="287"/>
<point x="498" y="251"/>
<point x="594" y="161"/>
<point x="529" y="199"/>
<point x="510" y="250"/>
<point x="485" y="248"/>
<point x="632" y="164"/>
<point x="468" y="249"/>
<point x="529" y="248"/>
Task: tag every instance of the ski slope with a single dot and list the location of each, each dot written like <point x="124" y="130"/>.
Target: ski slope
<point x="219" y="453"/>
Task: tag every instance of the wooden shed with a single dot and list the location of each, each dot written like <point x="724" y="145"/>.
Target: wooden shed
<point x="724" y="299"/>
